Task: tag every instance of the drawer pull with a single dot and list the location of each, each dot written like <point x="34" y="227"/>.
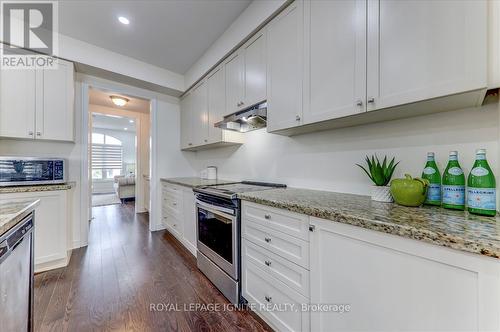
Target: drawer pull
<point x="175" y="203"/>
<point x="268" y="263"/>
<point x="267" y="239"/>
<point x="267" y="216"/>
<point x="268" y="298"/>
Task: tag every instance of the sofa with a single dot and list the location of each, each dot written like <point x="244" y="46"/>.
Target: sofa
<point x="125" y="186"/>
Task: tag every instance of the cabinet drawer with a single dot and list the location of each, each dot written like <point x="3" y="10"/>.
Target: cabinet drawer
<point x="291" y="223"/>
<point x="172" y="204"/>
<point x="263" y="292"/>
<point x="173" y="222"/>
<point x="284" y="245"/>
<point x="291" y="274"/>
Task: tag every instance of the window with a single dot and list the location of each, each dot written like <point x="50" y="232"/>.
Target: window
<point x="107" y="154"/>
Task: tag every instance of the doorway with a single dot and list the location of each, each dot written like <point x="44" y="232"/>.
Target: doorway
<point x="119" y="150"/>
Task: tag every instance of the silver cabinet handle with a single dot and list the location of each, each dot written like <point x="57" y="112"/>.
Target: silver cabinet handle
<point x="267" y="216"/>
<point x="206" y="140"/>
<point x="38" y="133"/>
<point x="268" y="263"/>
<point x="297" y="118"/>
<point x="371" y="100"/>
<point x="190" y="144"/>
<point x="242" y="103"/>
<point x="267" y="239"/>
<point x="174" y="203"/>
<point x="359" y="102"/>
<point x="268" y="298"/>
<point x="30" y="133"/>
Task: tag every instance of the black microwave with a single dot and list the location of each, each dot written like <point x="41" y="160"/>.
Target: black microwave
<point x="16" y="171"/>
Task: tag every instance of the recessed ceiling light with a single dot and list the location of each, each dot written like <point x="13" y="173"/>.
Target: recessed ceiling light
<point x="119" y="101"/>
<point x="123" y="20"/>
<point x="131" y="121"/>
<point x="125" y="128"/>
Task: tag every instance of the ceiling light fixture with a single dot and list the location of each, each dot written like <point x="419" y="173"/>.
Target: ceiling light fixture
<point x="119" y="101"/>
<point x="131" y="121"/>
<point x="123" y="20"/>
<point x="125" y="128"/>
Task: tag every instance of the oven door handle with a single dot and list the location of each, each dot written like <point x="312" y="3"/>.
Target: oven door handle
<point x="227" y="213"/>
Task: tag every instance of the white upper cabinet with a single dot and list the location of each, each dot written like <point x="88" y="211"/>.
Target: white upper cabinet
<point x="216" y="103"/>
<point x="234" y="69"/>
<point x="54" y="116"/>
<point x="335" y="58"/>
<point x="255" y="70"/>
<point x="186" y="122"/>
<point x="38" y="103"/>
<point x="423" y="49"/>
<point x="17" y="103"/>
<point x="284" y="68"/>
<point x="199" y="109"/>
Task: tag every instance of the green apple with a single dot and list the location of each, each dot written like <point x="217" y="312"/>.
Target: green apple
<point x="409" y="191"/>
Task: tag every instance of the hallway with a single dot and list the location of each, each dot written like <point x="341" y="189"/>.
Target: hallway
<point x="110" y="284"/>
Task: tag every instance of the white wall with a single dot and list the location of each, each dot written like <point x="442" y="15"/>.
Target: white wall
<point x="326" y="160"/>
<point x="249" y="20"/>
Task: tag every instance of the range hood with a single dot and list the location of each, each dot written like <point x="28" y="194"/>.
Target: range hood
<point x="250" y="119"/>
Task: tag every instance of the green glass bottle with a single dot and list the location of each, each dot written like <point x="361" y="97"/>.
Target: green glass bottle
<point x="453" y="184"/>
<point x="481" y="187"/>
<point x="431" y="173"/>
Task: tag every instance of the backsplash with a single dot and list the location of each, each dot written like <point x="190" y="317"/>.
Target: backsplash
<point x="325" y="160"/>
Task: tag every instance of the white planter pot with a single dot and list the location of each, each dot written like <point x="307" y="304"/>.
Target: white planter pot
<point x="382" y="194"/>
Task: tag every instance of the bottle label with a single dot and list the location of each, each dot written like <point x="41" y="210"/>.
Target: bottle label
<point x="480" y="157"/>
<point x="480" y="171"/>
<point x="482" y="198"/>
<point x="429" y="170"/>
<point x="434" y="193"/>
<point x="453" y="195"/>
<point x="455" y="171"/>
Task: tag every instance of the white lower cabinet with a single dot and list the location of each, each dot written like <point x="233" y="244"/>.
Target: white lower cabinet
<point x="397" y="284"/>
<point x="51" y="227"/>
<point x="178" y="214"/>
<point x="275" y="275"/>
<point x="357" y="279"/>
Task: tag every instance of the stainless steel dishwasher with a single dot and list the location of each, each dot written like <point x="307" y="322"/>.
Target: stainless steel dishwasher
<point x="16" y="278"/>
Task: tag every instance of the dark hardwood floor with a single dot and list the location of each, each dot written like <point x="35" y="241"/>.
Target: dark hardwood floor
<point x="111" y="284"/>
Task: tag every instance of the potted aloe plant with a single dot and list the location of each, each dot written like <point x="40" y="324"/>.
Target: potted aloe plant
<point x="381" y="175"/>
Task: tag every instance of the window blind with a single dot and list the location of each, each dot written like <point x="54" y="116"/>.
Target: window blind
<point x="106" y="156"/>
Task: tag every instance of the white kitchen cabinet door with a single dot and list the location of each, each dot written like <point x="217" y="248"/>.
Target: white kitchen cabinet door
<point x="189" y="220"/>
<point x="17" y="103"/>
<point x="200" y="114"/>
<point x="216" y="90"/>
<point x="284" y="68"/>
<point x="235" y="82"/>
<point x="255" y="70"/>
<point x="335" y="54"/>
<point x="422" y="49"/>
<point x="51" y="227"/>
<point x="55" y="103"/>
<point x="186" y="121"/>
<point x="397" y="284"/>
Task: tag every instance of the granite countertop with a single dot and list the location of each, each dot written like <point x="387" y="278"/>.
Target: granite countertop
<point x="12" y="212"/>
<point x="194" y="182"/>
<point x="35" y="188"/>
<point x="454" y="229"/>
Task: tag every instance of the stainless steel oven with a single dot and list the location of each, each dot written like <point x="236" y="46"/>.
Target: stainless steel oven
<point x="218" y="240"/>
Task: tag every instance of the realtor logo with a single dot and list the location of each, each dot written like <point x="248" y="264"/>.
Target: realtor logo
<point x="29" y="34"/>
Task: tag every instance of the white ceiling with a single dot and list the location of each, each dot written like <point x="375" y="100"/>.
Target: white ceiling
<point x="102" y="98"/>
<point x="102" y="121"/>
<point x="171" y="34"/>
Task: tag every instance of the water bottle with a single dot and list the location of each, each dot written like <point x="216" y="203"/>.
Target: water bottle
<point x="453" y="184"/>
<point x="431" y="173"/>
<point x="481" y="191"/>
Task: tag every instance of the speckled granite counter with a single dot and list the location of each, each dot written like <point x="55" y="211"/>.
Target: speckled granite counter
<point x="194" y="182"/>
<point x="40" y="187"/>
<point x="11" y="213"/>
<point x="453" y="229"/>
